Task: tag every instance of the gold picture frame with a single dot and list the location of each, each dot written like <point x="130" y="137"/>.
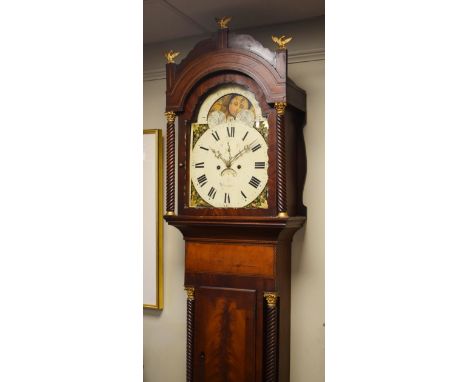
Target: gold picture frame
<point x="153" y="275"/>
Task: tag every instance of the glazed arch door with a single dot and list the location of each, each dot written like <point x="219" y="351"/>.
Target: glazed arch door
<point x="224" y="349"/>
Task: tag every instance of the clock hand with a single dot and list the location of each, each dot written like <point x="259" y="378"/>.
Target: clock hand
<point x="228" y="169"/>
<point x="246" y="149"/>
<point x="229" y="152"/>
<point x="219" y="156"/>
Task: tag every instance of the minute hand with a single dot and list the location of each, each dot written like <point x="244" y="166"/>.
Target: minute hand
<point x="242" y="152"/>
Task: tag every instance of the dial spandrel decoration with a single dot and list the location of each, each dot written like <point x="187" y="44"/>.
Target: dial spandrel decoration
<point x="229" y="152"/>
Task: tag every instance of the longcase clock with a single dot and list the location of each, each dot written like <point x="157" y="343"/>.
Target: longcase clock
<point x="240" y="167"/>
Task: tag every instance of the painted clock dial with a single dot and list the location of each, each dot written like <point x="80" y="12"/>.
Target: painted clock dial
<point x="229" y="152"/>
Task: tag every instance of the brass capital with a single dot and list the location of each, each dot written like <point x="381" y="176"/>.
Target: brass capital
<point x="223" y="22"/>
<point x="280" y="107"/>
<point x="170" y="115"/>
<point x="271" y="298"/>
<point x="170" y="56"/>
<point x="190" y="293"/>
<point x="281" y="41"/>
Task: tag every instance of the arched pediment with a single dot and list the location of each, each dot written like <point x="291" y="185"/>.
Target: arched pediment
<point x="183" y="79"/>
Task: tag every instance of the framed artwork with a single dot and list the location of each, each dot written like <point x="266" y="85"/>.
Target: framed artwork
<point x="153" y="297"/>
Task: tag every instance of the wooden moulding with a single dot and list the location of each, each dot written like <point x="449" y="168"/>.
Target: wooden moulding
<point x="237" y="228"/>
<point x="252" y="65"/>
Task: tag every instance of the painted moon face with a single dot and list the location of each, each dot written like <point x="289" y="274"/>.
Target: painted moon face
<point x="216" y="118"/>
<point x="246" y="116"/>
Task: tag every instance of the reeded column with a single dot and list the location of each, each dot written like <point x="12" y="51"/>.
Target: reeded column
<point x="281" y="160"/>
<point x="271" y="338"/>
<point x="170" y="165"/>
<point x="190" y="317"/>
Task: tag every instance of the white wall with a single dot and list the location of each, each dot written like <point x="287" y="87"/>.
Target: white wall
<point x="164" y="332"/>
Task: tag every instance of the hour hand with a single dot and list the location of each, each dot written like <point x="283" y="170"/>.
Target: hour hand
<point x="218" y="155"/>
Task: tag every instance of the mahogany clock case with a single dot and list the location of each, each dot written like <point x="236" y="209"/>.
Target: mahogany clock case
<point x="238" y="260"/>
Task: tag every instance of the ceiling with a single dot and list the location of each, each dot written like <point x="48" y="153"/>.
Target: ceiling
<point x="165" y="20"/>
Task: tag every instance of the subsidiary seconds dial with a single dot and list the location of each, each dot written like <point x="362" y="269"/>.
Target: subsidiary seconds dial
<point x="229" y="165"/>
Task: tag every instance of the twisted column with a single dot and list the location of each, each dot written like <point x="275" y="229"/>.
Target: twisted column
<point x="271" y="338"/>
<point x="190" y="332"/>
<point x="281" y="160"/>
<point x="170" y="165"/>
